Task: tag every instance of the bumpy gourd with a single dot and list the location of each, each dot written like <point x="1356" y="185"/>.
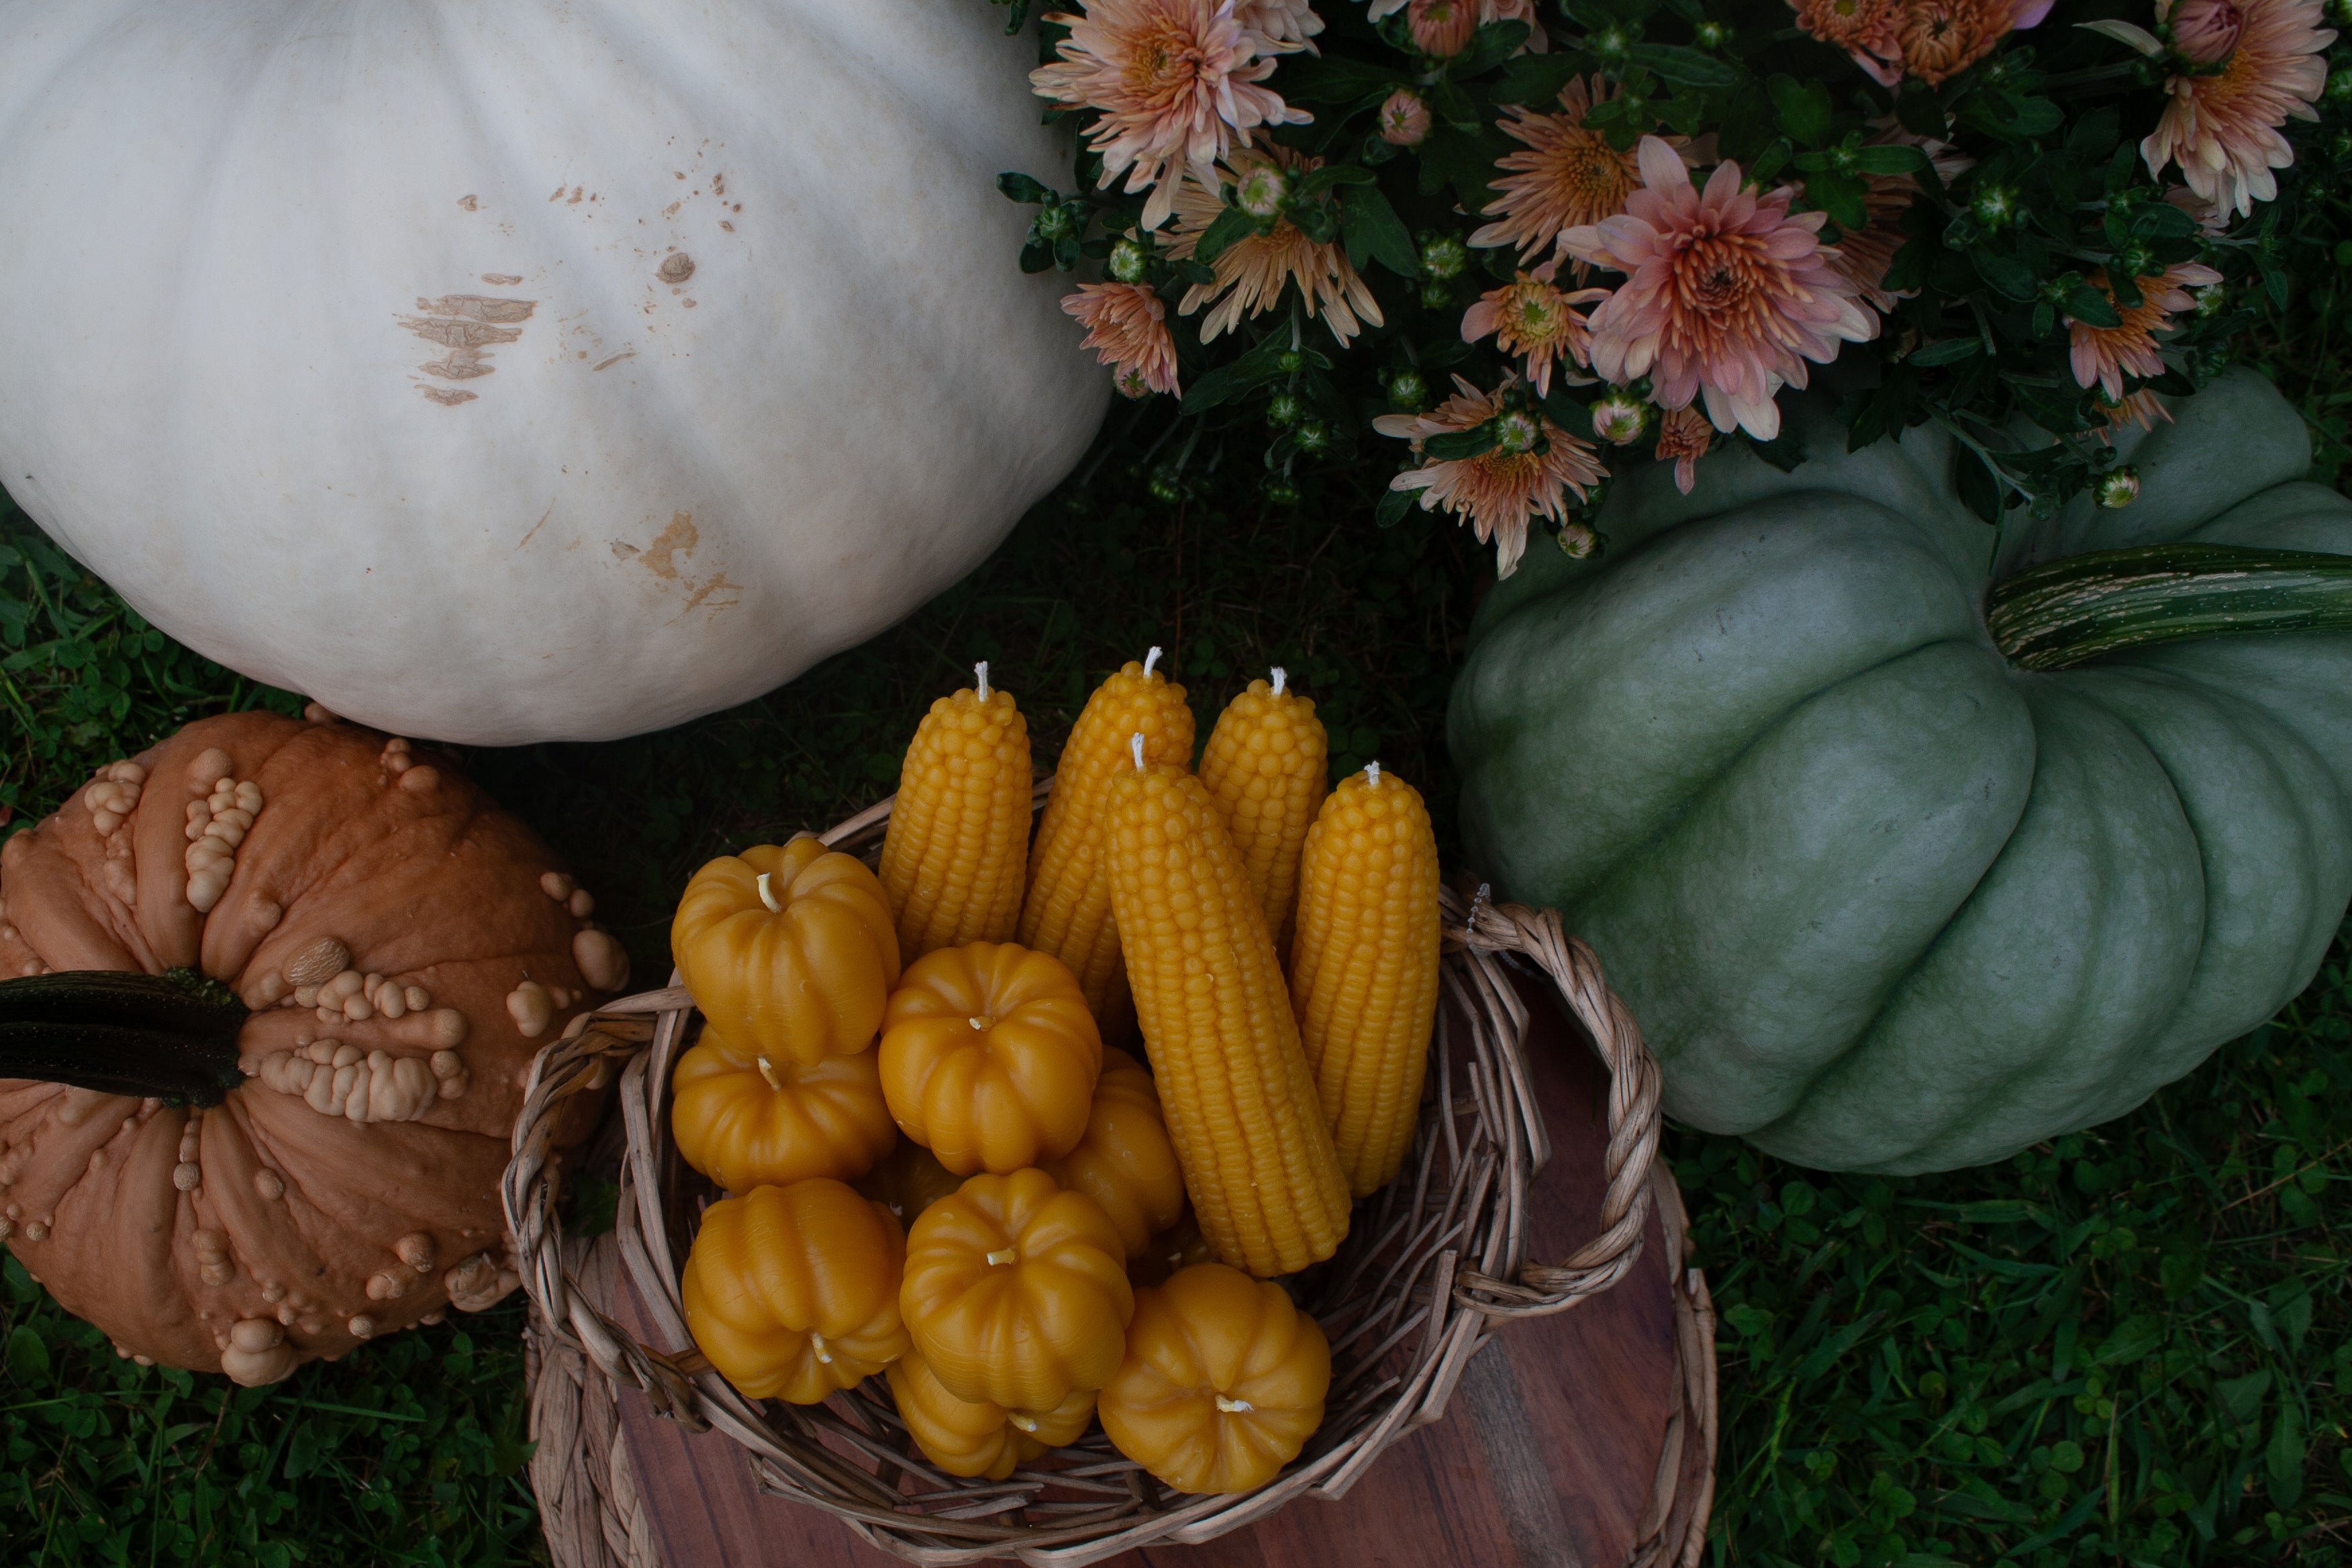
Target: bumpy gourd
<point x="989" y="1056"/>
<point x="1881" y="899"/>
<point x="1124" y="1162"/>
<point x="1068" y="910"/>
<point x="792" y="1292"/>
<point x="1363" y="975"/>
<point x="790" y="949"/>
<point x="272" y="1172"/>
<point x="748" y="1120"/>
<point x="968" y="1437"/>
<point x="1239" y="1100"/>
<point x="955" y="858"/>
<point x="1267" y="765"/>
<point x="1223" y="1384"/>
<point x="1016" y="1291"/>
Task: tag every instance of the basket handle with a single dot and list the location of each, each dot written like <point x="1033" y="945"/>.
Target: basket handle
<point x="1536" y="936"/>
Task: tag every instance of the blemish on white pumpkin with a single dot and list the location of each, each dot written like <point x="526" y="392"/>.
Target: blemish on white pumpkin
<point x="501" y="279"/>
<point x="446" y="397"/>
<point x="550" y="506"/>
<point x="676" y="269"/>
<point x="470" y="205"/>
<point x="625" y="353"/>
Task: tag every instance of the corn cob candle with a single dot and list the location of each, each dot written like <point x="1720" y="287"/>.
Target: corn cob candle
<point x="1258" y="1162"/>
<point x="1363" y="968"/>
<point x="1266" y="766"/>
<point x="1067" y="911"/>
<point x="957" y="853"/>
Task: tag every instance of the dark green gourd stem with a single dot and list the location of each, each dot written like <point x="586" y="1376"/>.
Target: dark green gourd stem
<point x="2082" y="606"/>
<point x="172" y="1036"/>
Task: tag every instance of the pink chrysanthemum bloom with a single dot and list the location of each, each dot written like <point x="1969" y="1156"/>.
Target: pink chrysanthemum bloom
<point x="1683" y="438"/>
<point x="1176" y="83"/>
<point x="1251" y="272"/>
<point x="1404" y="119"/>
<point x="1441" y="28"/>
<point x="1567" y="178"/>
<point x="1284" y="26"/>
<point x="1726" y="295"/>
<point x="1499" y="489"/>
<point x="1528" y="316"/>
<point x="2101" y="354"/>
<point x="1870" y="30"/>
<point x="1936" y="41"/>
<point x="2224" y="128"/>
<point x="1484" y="11"/>
<point x="1127" y="326"/>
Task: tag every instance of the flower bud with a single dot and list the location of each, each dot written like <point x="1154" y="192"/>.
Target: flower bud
<point x="1408" y="393"/>
<point x="1312" y="436"/>
<point x="1284" y="408"/>
<point x="1443" y="255"/>
<point x="1619" y="417"/>
<point x="1516" y="431"/>
<point x="2205" y="31"/>
<point x="1577" y="540"/>
<point x="1260" y="190"/>
<point x="2118" y="488"/>
<point x="1993" y="206"/>
<point x="1404" y="119"/>
<point x="1128" y="261"/>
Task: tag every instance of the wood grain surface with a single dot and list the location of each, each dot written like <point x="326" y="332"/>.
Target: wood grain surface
<point x="1546" y="1458"/>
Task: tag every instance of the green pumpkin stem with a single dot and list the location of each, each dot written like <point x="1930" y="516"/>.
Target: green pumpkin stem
<point x="2081" y="606"/>
<point x="170" y="1036"/>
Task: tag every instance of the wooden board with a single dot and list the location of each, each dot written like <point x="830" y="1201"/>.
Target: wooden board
<point x="1546" y="1459"/>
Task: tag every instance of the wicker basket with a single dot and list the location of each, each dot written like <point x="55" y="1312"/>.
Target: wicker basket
<point x="1432" y="1266"/>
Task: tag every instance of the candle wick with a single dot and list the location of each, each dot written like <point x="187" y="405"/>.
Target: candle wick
<point x="1026" y="1423"/>
<point x="1233" y="1406"/>
<point x="1373" y="774"/>
<point x="980" y="670"/>
<point x="982" y="1022"/>
<point x="1150" y="659"/>
<point x="1281" y="678"/>
<point x="1135" y="744"/>
<point x="767" y="898"/>
<point x="817" y="1343"/>
<point x="1004" y="1255"/>
<point x="767" y="1071"/>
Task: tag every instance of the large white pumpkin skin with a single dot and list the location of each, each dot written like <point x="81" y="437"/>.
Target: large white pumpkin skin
<point x="532" y="370"/>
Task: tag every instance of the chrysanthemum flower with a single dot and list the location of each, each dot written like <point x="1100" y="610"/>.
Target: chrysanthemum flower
<point x="2224" y="128"/>
<point x="1176" y="82"/>
<point x="2101" y="354"/>
<point x="1283" y="26"/>
<point x="1870" y="30"/>
<point x="1934" y="40"/>
<point x="1567" y="176"/>
<point x="1683" y="438"/>
<point x="1404" y="119"/>
<point x="1251" y="272"/>
<point x="1441" y="28"/>
<point x="1727" y="294"/>
<point x="1531" y="472"/>
<point x="1127" y="326"/>
<point x="2143" y="409"/>
<point x="1528" y="316"/>
<point x="1481" y="12"/>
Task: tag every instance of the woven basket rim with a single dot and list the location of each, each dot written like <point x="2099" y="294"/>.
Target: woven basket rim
<point x="1454" y="1272"/>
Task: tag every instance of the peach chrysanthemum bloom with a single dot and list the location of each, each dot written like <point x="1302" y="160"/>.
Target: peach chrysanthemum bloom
<point x="1936" y="41"/>
<point x="2224" y="128"/>
<point x="1683" y="438"/>
<point x="1528" y="316"/>
<point x="1441" y="28"/>
<point x="1499" y="489"/>
<point x="2142" y="409"/>
<point x="1480" y="13"/>
<point x="1283" y="26"/>
<point x="1727" y="294"/>
<point x="1176" y="82"/>
<point x="1127" y="326"/>
<point x="2101" y="354"/>
<point x="1252" y="270"/>
<point x="1869" y="30"/>
<point x="1567" y="178"/>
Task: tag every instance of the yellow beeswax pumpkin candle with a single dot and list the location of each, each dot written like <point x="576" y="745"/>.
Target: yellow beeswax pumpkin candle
<point x="789" y="949"/>
<point x="977" y="1438"/>
<point x="1124" y="1162"/>
<point x="1223" y="1384"/>
<point x="746" y="1119"/>
<point x="792" y="1292"/>
<point x="1016" y="1291"/>
<point x="1363" y="970"/>
<point x="907" y="1180"/>
<point x="1267" y="765"/>
<point x="1068" y="910"/>
<point x="1239" y="1100"/>
<point x="989" y="1056"/>
<point x="956" y="857"/>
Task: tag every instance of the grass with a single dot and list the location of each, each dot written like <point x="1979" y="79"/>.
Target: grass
<point x="2127" y="1346"/>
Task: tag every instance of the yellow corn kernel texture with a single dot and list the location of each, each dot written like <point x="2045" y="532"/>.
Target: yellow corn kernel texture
<point x="1267" y="765"/>
<point x="957" y="853"/>
<point x="1363" y="968"/>
<point x="1068" y="910"/>
<point x="1239" y="1100"/>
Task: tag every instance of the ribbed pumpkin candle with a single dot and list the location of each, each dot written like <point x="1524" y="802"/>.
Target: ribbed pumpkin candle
<point x="1239" y="1096"/>
<point x="1363" y="970"/>
<point x="1267" y="765"/>
<point x="1067" y="911"/>
<point x="956" y="857"/>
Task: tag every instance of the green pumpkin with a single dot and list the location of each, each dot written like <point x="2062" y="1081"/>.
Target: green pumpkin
<point x="1881" y="899"/>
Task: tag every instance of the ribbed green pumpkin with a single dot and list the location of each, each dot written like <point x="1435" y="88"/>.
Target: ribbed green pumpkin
<point x="1882" y="899"/>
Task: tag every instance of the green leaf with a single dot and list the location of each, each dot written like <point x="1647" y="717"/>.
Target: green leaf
<point x="1804" y="109"/>
<point x="1374" y="233"/>
<point x="1981" y="493"/>
<point x="1949" y="350"/>
<point x="2240" y="1398"/>
<point x="1536" y="78"/>
<point x="1230" y="225"/>
<point x="27" y="1357"/>
<point x="1020" y="187"/>
<point x="1394" y="504"/>
<point x="1685" y="67"/>
<point x="1893" y="160"/>
<point x="1317" y="181"/>
<point x="1490" y="46"/>
<point x="2091" y="308"/>
<point x="1840" y="196"/>
<point x="2006" y="273"/>
<point x="2283" y="1457"/>
<point x="1460" y="444"/>
<point x="1334" y="80"/>
<point x="2131" y="1341"/>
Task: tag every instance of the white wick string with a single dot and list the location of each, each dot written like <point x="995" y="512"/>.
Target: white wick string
<point x="1281" y="678"/>
<point x="767" y="898"/>
<point x="1373" y="774"/>
<point x="981" y="671"/>
<point x="1150" y="659"/>
<point x="1135" y="744"/>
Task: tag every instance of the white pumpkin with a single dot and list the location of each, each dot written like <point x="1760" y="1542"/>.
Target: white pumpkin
<point x="528" y="371"/>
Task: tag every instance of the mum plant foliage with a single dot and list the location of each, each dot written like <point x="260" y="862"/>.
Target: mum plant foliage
<point x="1536" y="243"/>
